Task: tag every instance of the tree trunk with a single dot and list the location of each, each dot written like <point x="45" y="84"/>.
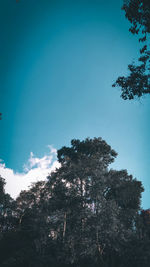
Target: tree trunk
<point x="64" y="229"/>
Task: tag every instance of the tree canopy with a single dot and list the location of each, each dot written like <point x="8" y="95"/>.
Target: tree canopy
<point x="85" y="214"/>
<point x="137" y="83"/>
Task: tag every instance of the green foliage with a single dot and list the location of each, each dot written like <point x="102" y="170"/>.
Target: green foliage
<point x="83" y="215"/>
<point x="7" y="205"/>
<point x="137" y="83"/>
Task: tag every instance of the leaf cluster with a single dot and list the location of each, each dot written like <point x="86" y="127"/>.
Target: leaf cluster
<point x="137" y="83"/>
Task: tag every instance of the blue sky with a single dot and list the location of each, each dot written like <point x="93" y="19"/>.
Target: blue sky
<point x="58" y="62"/>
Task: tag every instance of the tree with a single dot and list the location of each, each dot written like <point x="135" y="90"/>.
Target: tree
<point x="8" y="221"/>
<point x="7" y="206"/>
<point x="84" y="215"/>
<point x="25" y="243"/>
<point x="94" y="209"/>
<point x="137" y="253"/>
<point x="137" y="83"/>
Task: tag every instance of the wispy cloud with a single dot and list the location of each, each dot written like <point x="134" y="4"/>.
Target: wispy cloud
<point x="34" y="170"/>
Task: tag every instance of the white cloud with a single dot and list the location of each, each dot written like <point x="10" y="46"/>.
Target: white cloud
<point x="35" y="170"/>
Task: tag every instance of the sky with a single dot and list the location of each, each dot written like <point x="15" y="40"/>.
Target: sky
<point x="58" y="61"/>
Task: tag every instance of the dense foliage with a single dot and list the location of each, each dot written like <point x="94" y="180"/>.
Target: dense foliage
<point x="137" y="83"/>
<point x="85" y="214"/>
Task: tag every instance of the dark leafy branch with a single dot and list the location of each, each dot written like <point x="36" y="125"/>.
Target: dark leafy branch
<point x="137" y="83"/>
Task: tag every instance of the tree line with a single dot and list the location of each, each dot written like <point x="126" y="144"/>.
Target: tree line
<point x="84" y="214"/>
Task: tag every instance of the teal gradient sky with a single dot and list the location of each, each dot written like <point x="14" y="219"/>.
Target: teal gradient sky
<point x="58" y="60"/>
